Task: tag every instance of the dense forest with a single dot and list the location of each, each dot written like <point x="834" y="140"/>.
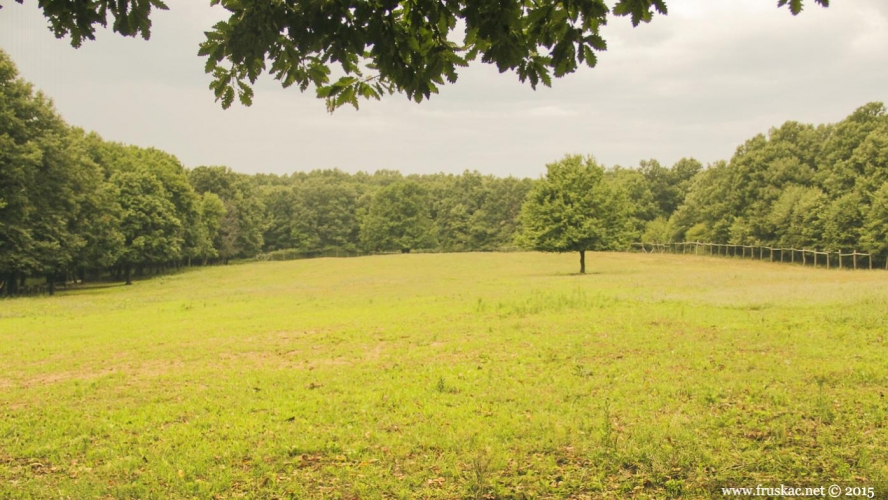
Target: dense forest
<point x="76" y="207"/>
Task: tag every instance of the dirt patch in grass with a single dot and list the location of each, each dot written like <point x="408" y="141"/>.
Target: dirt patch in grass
<point x="144" y="369"/>
<point x="289" y="360"/>
<point x="44" y="379"/>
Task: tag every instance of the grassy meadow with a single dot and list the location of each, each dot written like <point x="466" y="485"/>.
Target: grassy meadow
<point x="449" y="376"/>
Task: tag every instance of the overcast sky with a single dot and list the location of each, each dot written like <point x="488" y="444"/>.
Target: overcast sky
<point x="697" y="82"/>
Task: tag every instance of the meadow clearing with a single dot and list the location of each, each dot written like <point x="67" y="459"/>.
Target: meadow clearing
<point x="449" y="376"/>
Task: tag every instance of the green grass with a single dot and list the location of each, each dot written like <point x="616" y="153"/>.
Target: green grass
<point x="460" y="376"/>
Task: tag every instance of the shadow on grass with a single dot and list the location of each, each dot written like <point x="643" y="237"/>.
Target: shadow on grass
<point x="87" y="288"/>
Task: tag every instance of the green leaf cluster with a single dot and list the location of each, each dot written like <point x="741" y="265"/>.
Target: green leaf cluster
<point x="72" y="204"/>
<point x="574" y="209"/>
<point x="398" y="219"/>
<point x="798" y="186"/>
<point x="376" y="47"/>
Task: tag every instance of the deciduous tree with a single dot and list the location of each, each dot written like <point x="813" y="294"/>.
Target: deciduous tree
<point x="573" y="209"/>
<point x="152" y="232"/>
<point x="398" y="219"/>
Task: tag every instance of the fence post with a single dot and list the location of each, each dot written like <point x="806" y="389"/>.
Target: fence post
<point x="855" y="259"/>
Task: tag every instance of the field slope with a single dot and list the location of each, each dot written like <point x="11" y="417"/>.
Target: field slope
<point x="449" y="376"/>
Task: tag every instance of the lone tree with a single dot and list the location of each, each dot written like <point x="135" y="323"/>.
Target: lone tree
<point x="574" y="209"/>
<point x="379" y="46"/>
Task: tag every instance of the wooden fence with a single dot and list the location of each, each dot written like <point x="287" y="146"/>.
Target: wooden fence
<point x="804" y="256"/>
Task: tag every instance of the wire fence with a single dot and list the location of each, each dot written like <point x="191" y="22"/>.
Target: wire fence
<point x="804" y="256"/>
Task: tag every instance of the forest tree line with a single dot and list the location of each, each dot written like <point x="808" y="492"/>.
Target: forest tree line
<point x="74" y="206"/>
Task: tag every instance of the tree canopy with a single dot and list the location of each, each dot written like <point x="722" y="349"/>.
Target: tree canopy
<point x="799" y="186"/>
<point x="376" y="46"/>
<point x="575" y="209"/>
<point x="398" y="219"/>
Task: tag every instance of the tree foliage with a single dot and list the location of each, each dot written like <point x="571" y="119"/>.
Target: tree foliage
<point x="398" y="219"/>
<point x="378" y="47"/>
<point x="151" y="229"/>
<point x="800" y="186"/>
<point x="43" y="186"/>
<point x="573" y="209"/>
<point x="241" y="216"/>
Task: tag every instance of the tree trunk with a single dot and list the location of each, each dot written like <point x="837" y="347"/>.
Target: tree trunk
<point x="51" y="279"/>
<point x="12" y="284"/>
<point x="126" y="273"/>
<point x="582" y="262"/>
